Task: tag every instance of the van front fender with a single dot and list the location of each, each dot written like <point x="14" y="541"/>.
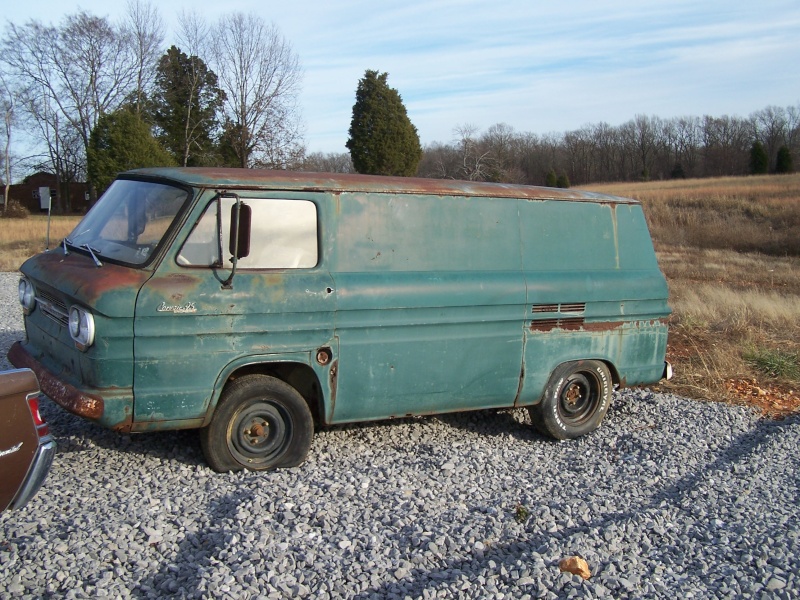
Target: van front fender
<point x="280" y="366"/>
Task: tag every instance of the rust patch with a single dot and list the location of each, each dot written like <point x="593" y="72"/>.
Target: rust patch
<point x="76" y="274"/>
<point x="232" y="179"/>
<point x="333" y="375"/>
<point x="606" y="325"/>
<point x="65" y="395"/>
<point x="568" y="324"/>
<point x="578" y="324"/>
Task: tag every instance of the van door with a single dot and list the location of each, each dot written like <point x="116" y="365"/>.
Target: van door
<point x="190" y="328"/>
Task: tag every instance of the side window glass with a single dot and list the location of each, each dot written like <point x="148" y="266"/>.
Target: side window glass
<point x="283" y="236"/>
<point x="201" y="248"/>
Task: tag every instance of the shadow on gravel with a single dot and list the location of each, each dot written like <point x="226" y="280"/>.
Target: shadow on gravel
<point x="493" y="423"/>
<point x="200" y="554"/>
<point x="490" y="422"/>
<point x="420" y="581"/>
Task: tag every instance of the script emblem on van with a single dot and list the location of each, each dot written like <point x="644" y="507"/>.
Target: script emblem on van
<point x="189" y="307"/>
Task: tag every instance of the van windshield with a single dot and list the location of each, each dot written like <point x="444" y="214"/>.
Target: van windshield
<point x="128" y="222"/>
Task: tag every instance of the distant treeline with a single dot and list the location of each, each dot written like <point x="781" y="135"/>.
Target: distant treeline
<point x="646" y="147"/>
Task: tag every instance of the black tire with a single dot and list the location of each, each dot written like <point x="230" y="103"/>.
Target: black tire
<point x="575" y="400"/>
<point x="261" y="423"/>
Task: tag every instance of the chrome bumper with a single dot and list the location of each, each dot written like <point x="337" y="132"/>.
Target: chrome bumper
<point x="37" y="473"/>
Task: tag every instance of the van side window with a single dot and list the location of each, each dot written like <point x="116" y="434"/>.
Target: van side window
<point x="201" y="248"/>
<point x="283" y="236"/>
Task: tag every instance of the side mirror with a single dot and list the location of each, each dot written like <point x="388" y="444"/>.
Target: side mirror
<point x="241" y="219"/>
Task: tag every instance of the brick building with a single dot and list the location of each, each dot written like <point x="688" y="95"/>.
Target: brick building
<point x="27" y="194"/>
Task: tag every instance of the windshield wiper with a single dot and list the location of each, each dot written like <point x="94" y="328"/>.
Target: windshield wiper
<point x="94" y="256"/>
<point x="64" y="243"/>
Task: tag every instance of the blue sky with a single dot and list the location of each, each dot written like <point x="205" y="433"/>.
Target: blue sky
<point x="539" y="67"/>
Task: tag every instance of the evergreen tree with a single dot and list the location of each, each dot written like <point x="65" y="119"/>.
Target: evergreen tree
<point x="677" y="171"/>
<point x="759" y="161"/>
<point x="122" y="141"/>
<point x="551" y="179"/>
<point x="784" y="163"/>
<point x="382" y="140"/>
<point x="562" y="181"/>
<point x="185" y="107"/>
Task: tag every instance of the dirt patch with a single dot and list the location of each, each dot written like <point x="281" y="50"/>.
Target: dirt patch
<point x="698" y="376"/>
<point x="774" y="401"/>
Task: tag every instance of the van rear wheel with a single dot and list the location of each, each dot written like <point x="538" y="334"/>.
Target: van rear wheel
<point x="575" y="400"/>
<point x="261" y="423"/>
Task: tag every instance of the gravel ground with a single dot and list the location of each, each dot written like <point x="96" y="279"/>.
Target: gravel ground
<point x="669" y="498"/>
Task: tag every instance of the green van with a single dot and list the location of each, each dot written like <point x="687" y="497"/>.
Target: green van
<point x="254" y="304"/>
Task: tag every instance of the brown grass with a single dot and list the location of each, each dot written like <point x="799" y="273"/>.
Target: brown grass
<point x="730" y="249"/>
<point x="22" y="238"/>
<point x="745" y="214"/>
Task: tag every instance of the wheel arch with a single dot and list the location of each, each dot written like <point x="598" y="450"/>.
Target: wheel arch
<point x="293" y="370"/>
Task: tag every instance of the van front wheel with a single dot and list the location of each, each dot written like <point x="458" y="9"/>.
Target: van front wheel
<point x="260" y="423"/>
<point x="575" y="400"/>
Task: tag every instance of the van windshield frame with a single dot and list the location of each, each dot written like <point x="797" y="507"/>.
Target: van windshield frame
<point x="130" y="222"/>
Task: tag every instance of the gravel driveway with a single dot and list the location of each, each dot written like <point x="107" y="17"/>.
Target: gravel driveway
<point x="669" y="498"/>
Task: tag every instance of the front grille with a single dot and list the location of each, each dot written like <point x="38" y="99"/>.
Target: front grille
<point x="53" y="307"/>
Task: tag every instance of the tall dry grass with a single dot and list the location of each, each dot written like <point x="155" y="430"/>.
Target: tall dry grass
<point x="730" y="249"/>
<point x="22" y="238"/>
<point x="746" y="214"/>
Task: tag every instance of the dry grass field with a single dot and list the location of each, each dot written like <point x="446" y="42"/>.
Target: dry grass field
<point x="730" y="249"/>
<point x="22" y="238"/>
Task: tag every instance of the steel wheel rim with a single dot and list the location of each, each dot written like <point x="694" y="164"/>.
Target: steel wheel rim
<point x="578" y="398"/>
<point x="259" y="433"/>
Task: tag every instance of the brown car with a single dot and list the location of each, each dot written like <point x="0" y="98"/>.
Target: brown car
<point x="26" y="446"/>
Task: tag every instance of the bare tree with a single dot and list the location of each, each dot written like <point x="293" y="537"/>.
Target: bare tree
<point x="501" y="141"/>
<point x="260" y="74"/>
<point x="8" y="105"/>
<point x="194" y="34"/>
<point x="64" y="149"/>
<point x="84" y="67"/>
<point x="475" y="160"/>
<point x="331" y="162"/>
<point x="145" y="29"/>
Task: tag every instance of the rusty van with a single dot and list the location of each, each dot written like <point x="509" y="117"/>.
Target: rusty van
<point x="253" y="305"/>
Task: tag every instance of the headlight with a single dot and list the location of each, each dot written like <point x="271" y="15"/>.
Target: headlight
<point x="81" y="327"/>
<point x="27" y="297"/>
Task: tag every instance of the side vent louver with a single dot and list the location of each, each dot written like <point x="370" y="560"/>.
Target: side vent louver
<point x="573" y="307"/>
<point x="564" y="307"/>
<point x="549" y="323"/>
<point x="545" y="308"/>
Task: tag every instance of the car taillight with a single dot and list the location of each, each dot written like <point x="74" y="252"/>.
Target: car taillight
<point x="41" y="425"/>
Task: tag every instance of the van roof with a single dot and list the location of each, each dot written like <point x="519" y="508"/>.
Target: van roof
<point x="232" y="179"/>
